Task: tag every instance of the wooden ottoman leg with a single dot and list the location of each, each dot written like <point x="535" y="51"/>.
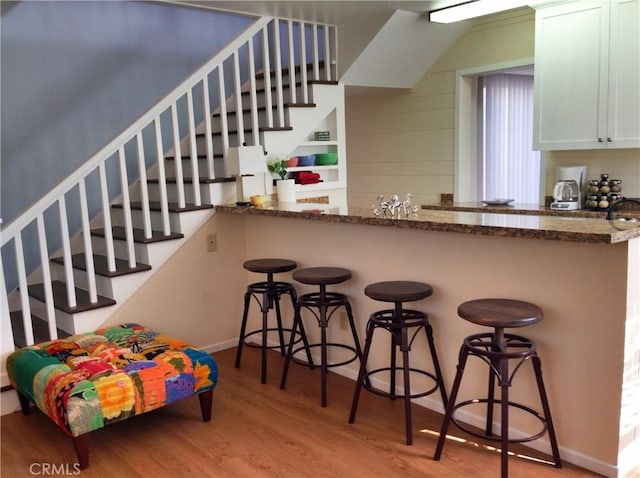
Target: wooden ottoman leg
<point x="81" y="444"/>
<point x="25" y="403"/>
<point x="206" y="404"/>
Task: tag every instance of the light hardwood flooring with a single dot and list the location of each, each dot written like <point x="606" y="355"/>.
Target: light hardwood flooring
<point x="261" y="431"/>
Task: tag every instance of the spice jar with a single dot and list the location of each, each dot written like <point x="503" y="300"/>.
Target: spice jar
<point x="594" y="186"/>
<point x="603" y="203"/>
<point x="592" y="201"/>
<point x="615" y="185"/>
<point x="614" y="197"/>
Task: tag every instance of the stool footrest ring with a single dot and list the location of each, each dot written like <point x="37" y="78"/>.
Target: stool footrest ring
<point x="497" y="438"/>
<point x="270" y="329"/>
<point x="329" y="365"/>
<point x="367" y="383"/>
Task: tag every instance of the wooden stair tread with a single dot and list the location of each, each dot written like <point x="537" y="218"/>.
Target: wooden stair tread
<point x="188" y="156"/>
<point x="173" y="206"/>
<point x="277" y="128"/>
<point x="60" y="298"/>
<point x="323" y="82"/>
<point x="100" y="265"/>
<point x="138" y="235"/>
<point x="287" y="86"/>
<point x="247" y="131"/>
<point x="300" y="105"/>
<point x="189" y="180"/>
<point x="264" y="108"/>
<point x="285" y="70"/>
<point x="40" y="330"/>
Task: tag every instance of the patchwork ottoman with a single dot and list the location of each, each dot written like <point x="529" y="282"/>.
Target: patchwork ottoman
<point x="88" y="381"/>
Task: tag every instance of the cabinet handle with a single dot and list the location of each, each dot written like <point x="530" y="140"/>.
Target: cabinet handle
<point x="600" y="140"/>
<point x="609" y="140"/>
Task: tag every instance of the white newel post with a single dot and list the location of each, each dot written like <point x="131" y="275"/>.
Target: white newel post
<point x="9" y="400"/>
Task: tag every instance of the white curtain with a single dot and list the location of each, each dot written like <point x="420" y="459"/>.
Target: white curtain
<point x="511" y="167"/>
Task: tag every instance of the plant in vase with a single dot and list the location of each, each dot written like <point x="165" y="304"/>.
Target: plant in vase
<point x="278" y="166"/>
<point x="285" y="187"/>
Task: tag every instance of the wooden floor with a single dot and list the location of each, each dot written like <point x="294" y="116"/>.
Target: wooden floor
<point x="261" y="431"/>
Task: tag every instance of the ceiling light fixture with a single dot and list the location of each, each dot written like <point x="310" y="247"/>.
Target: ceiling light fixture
<point x="472" y="9"/>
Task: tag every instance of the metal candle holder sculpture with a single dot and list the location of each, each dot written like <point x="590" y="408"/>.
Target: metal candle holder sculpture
<point x="394" y="208"/>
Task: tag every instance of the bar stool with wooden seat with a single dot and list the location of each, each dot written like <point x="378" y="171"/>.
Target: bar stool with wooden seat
<point x="267" y="294"/>
<point x="322" y="305"/>
<point x="398" y="322"/>
<point x="497" y="349"/>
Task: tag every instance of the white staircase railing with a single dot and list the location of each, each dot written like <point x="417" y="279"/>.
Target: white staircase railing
<point x="108" y="173"/>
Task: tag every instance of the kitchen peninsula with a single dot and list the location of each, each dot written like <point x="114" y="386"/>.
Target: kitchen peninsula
<point x="584" y="273"/>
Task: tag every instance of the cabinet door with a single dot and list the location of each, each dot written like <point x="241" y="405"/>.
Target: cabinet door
<point x="571" y="55"/>
<point x="624" y="75"/>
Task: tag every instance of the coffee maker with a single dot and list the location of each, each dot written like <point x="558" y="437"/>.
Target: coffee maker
<point x="569" y="192"/>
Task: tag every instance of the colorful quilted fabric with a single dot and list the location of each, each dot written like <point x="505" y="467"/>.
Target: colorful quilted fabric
<point x="87" y="381"/>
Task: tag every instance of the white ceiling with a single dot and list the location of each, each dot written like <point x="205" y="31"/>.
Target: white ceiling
<point x="336" y="12"/>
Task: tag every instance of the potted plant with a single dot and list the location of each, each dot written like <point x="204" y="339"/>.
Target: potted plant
<point x="285" y="187"/>
<point x="278" y="166"/>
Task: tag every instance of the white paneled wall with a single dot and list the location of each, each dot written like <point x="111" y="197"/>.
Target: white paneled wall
<point x="401" y="141"/>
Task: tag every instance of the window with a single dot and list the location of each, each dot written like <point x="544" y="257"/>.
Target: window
<point x="494" y="135"/>
<point x="509" y="166"/>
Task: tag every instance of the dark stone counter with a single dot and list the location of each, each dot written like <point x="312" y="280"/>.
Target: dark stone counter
<point x="490" y="222"/>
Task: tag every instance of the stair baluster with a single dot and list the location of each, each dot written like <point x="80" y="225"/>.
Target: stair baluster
<point x="88" y="247"/>
<point x="126" y="208"/>
<point x="144" y="189"/>
<point x="195" y="173"/>
<point x="211" y="174"/>
<point x="66" y="252"/>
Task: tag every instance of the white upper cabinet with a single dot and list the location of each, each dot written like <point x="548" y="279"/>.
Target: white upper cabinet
<point x="587" y="75"/>
<point x="624" y="74"/>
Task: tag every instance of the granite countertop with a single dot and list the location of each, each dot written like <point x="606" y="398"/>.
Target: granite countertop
<point x="476" y="221"/>
<point x="628" y="209"/>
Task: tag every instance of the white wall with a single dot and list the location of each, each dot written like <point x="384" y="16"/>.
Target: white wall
<point x="196" y="295"/>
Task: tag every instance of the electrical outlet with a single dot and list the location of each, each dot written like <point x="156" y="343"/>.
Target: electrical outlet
<point x="212" y="242"/>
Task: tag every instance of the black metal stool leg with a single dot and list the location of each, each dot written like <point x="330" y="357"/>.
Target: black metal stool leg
<point x="276" y="301"/>
<point x="462" y="360"/>
<point x="323" y="356"/>
<point x="354" y="331"/>
<point x="436" y="364"/>
<point x="392" y="365"/>
<point x="303" y="334"/>
<point x="265" y="326"/>
<point x="296" y="322"/>
<point x="356" y="340"/>
<point x="404" y="346"/>
<point x="491" y="390"/>
<point x="537" y="366"/>
<point x="504" y="425"/>
<point x="362" y="373"/>
<point x="243" y="327"/>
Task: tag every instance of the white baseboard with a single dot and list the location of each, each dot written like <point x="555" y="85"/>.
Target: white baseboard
<point x="9" y="402"/>
<point x="227" y="344"/>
